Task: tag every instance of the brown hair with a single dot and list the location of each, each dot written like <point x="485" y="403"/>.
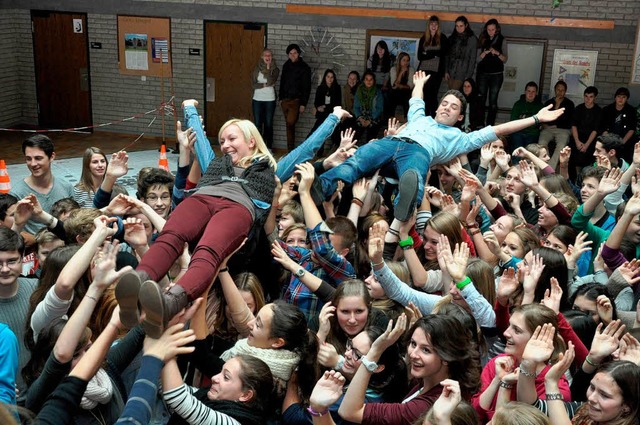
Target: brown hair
<point x="86" y="181"/>
<point x="80" y="224"/>
<point x="537" y="315"/>
<point x="348" y="288"/>
<point x="294" y="209"/>
<point x="516" y="413"/>
<point x="428" y="40"/>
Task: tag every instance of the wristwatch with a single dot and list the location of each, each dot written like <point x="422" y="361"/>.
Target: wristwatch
<point x="300" y="272"/>
<point x="371" y="366"/>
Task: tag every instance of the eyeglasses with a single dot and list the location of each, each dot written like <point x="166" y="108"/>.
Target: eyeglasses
<point x="357" y="355"/>
<point x="11" y="263"/>
<point x="154" y="198"/>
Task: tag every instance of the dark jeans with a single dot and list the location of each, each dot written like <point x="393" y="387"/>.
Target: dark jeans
<point x="489" y="86"/>
<point x="263" y="117"/>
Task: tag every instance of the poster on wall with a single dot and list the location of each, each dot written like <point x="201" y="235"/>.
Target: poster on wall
<point x="397" y="41"/>
<point x="135" y="51"/>
<point x="144" y="46"/>
<point x="577" y="68"/>
<point x="635" y="66"/>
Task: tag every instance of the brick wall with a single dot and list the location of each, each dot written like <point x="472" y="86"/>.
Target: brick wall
<point x="116" y="96"/>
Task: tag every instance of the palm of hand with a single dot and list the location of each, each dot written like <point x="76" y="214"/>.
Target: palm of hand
<point x="508" y="285"/>
<point x="326" y="392"/>
<point x="603" y="345"/>
<point x="135" y="235"/>
<point x="118" y="168"/>
<point x="608" y="185"/>
<point x="537" y="351"/>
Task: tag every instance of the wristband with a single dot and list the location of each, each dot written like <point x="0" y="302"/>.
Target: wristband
<point x="406" y="242"/>
<point x="91" y="297"/>
<point x="317" y="414"/>
<point x="377" y="264"/>
<point x="358" y="202"/>
<point x="474" y="232"/>
<point x="548" y="197"/>
<point x="535" y="118"/>
<point x="223" y="270"/>
<point x="463" y="283"/>
<point x="553" y="396"/>
<point x="473" y="225"/>
<point x="591" y="362"/>
<point x="506" y="385"/>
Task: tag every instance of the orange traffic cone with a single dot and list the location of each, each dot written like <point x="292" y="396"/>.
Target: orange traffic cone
<point x="5" y="181"/>
<point x="163" y="164"/>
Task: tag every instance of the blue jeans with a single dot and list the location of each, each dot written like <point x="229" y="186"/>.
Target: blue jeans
<point x="489" y="86"/>
<point x="401" y="154"/>
<point x="307" y="149"/>
<point x="263" y="117"/>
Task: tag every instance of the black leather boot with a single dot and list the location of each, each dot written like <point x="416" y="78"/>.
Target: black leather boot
<point x="160" y="306"/>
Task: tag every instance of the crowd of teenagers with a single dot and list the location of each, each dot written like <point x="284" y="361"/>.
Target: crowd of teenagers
<point x="431" y="276"/>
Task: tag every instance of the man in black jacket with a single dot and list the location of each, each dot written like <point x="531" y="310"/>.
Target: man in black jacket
<point x="295" y="88"/>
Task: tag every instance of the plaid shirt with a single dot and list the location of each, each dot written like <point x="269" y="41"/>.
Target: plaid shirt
<point x="323" y="261"/>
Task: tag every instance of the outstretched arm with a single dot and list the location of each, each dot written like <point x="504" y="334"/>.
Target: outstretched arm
<point x="419" y="80"/>
<point x="544" y="115"/>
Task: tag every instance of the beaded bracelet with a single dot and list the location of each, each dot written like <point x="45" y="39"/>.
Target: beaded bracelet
<point x="554" y="396"/>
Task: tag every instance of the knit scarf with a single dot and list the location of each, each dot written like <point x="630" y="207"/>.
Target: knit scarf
<point x="281" y="362"/>
<point x="99" y="390"/>
<point x="366" y="96"/>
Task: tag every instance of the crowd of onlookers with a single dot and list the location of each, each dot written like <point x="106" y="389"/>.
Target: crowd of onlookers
<point x="443" y="269"/>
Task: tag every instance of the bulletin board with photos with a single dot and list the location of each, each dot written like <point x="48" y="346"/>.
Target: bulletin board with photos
<point x="144" y="46"/>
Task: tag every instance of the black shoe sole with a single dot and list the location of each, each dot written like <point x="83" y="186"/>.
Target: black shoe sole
<point x="408" y="189"/>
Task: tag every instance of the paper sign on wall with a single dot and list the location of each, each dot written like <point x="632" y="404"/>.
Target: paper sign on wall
<point x="77" y="26"/>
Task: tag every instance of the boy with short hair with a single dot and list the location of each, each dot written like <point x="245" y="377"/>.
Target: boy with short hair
<point x="15" y="292"/>
<point x="291" y="213"/>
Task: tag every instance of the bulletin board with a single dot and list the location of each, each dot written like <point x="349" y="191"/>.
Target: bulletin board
<point x="144" y="46"/>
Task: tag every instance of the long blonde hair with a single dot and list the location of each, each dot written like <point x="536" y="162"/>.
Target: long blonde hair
<point x="250" y="131"/>
<point x="86" y="180"/>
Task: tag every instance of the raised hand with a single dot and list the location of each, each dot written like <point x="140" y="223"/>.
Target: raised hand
<point x="576" y="250"/>
<point x="532" y="274"/>
<point x="341" y="113"/>
<point x="23" y="212"/>
<point x="171" y="343"/>
<point x="376" y="242"/>
<point x="492" y="242"/>
<point x="328" y="355"/>
<point x="448" y="204"/>
<point x="104" y="270"/>
<point x="502" y="159"/>
<point x="547" y="115"/>
<point x="120" y="205"/>
<point x="326" y="313"/>
<point x="413" y="313"/>
<point x="186" y="138"/>
<point x="610" y="181"/>
<point x="307" y="174"/>
<point x="420" y="78"/>
<point x="504" y="366"/>
<point x="469" y="191"/>
<point x="565" y="155"/>
<point x="558" y="370"/>
<point x="107" y="225"/>
<point x="540" y="347"/>
<point x="630" y="349"/>
<point x="606" y="341"/>
<point x="635" y="181"/>
<point x="528" y="177"/>
<point x="119" y="165"/>
<point x="469" y="176"/>
<point x="604" y="309"/>
<point x="327" y="391"/>
<point x="390" y="336"/>
<point x="514" y="200"/>
<point x="134" y="232"/>
<point x="507" y="286"/>
<point x="633" y="206"/>
<point x="454" y="167"/>
<point x="473" y="212"/>
<point x="346" y="139"/>
<point x="630" y="271"/>
<point x="598" y="261"/>
<point x="553" y="296"/>
<point x="281" y="257"/>
<point x="359" y="188"/>
<point x="457" y="262"/>
<point x="521" y="152"/>
<point x="393" y="127"/>
<point x="449" y="399"/>
<point x="603" y="161"/>
<point x="486" y="154"/>
<point x="434" y="194"/>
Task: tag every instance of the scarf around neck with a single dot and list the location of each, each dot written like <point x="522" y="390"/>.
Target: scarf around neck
<point x="281" y="362"/>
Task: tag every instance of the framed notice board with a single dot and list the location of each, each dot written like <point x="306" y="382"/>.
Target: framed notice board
<point x="144" y="46"/>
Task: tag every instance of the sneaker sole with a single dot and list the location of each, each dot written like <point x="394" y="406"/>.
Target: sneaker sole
<point x="126" y="292"/>
<point x="153" y="307"/>
<point x="408" y="190"/>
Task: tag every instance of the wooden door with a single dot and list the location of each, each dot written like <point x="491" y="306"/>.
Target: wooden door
<point x="232" y="52"/>
<point x="61" y="59"/>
